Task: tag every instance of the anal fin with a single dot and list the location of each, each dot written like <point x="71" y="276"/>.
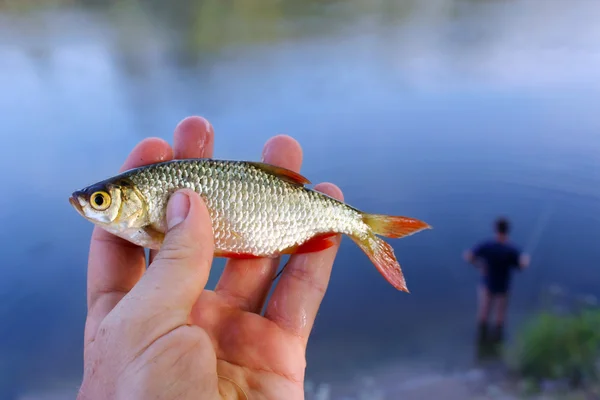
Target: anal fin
<point x="317" y="243"/>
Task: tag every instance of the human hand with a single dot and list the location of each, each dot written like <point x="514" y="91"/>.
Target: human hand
<point x="157" y="333"/>
<point x="524" y="260"/>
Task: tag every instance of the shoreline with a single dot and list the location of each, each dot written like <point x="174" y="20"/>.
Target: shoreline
<point x="478" y="383"/>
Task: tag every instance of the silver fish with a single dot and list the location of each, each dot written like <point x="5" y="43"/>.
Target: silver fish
<point x="257" y="210"/>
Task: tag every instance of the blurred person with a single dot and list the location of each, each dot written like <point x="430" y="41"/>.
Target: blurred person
<point x="496" y="258"/>
<point x="157" y="333"/>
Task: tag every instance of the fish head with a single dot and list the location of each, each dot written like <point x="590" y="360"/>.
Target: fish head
<point x="117" y="205"/>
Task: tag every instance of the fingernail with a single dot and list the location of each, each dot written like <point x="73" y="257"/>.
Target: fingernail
<point x="177" y="209"/>
<point x="266" y="151"/>
<point x="207" y="125"/>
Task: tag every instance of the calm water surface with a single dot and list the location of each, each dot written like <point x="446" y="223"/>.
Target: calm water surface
<point x="452" y="112"/>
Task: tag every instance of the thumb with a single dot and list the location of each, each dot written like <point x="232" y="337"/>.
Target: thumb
<point x="180" y="270"/>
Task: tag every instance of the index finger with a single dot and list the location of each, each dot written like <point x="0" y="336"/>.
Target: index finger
<point x="115" y="265"/>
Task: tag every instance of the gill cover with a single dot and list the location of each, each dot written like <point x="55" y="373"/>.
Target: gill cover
<point x="116" y="204"/>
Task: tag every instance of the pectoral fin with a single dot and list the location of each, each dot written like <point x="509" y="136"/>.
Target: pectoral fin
<point x="155" y="236"/>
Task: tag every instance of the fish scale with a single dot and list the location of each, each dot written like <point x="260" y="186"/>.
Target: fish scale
<point x="257" y="225"/>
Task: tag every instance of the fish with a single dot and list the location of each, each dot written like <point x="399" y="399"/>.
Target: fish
<point x="257" y="210"/>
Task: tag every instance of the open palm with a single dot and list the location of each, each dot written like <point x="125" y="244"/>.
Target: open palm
<point x="244" y="347"/>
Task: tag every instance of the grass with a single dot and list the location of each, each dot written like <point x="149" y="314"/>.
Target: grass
<point x="559" y="347"/>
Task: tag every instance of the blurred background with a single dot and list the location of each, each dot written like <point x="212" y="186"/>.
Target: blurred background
<point x="453" y="112"/>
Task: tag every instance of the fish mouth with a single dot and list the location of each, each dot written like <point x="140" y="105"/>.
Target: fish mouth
<point x="74" y="200"/>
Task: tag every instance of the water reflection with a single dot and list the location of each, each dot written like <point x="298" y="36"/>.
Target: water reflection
<point x="449" y="111"/>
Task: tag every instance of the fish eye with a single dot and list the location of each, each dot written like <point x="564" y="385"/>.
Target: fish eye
<point x="100" y="200"/>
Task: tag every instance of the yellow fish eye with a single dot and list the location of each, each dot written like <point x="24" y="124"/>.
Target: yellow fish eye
<point x="100" y="201"/>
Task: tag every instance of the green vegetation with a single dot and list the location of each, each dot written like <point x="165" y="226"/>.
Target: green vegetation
<point x="564" y="347"/>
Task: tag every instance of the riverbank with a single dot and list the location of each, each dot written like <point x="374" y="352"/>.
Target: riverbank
<point x="554" y="354"/>
<point x="491" y="383"/>
<point x="558" y="345"/>
<point x="405" y="384"/>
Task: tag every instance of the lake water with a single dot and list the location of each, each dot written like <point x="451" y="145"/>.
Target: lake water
<point x="452" y="112"/>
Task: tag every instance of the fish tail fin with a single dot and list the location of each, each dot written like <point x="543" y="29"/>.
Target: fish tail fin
<point x="394" y="226"/>
<point x="382" y="255"/>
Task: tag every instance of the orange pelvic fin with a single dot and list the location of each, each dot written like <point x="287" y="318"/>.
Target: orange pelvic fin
<point x="317" y="243"/>
<point x="392" y="226"/>
<point x="382" y="255"/>
<point x="282" y="173"/>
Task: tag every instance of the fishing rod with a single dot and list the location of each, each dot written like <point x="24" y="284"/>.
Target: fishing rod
<point x="534" y="239"/>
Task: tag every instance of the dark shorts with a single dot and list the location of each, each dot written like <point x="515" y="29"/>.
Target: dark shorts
<point x="496" y="288"/>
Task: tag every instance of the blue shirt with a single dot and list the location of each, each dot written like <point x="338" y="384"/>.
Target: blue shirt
<point x="499" y="260"/>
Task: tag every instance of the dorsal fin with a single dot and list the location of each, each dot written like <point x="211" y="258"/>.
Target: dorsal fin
<point x="282" y="173"/>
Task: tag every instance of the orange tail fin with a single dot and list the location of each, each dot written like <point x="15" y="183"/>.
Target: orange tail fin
<point x="381" y="253"/>
<point x="392" y="226"/>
